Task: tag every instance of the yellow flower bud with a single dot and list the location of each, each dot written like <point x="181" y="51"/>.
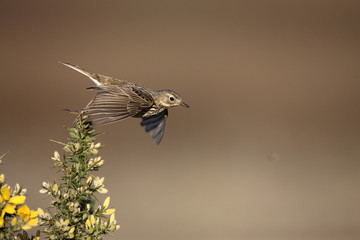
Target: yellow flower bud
<point x="41" y="212"/>
<point x="66" y="222"/>
<point x="107" y="202"/>
<point x="89" y="180"/>
<point x="92" y="219"/>
<point x="13" y="222"/>
<point x="56" y="155"/>
<point x="2" y="178"/>
<point x="88" y="224"/>
<point x="26" y="227"/>
<point x="109" y="211"/>
<point x="112" y="218"/>
<point x="102" y="190"/>
<point x="100" y="163"/>
<point x="98" y="181"/>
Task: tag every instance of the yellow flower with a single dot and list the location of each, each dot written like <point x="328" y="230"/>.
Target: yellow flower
<point x="1" y="222"/>
<point x="34" y="214"/>
<point x="10" y="201"/>
<point x="29" y="217"/>
<point x="31" y="223"/>
<point x="24" y="211"/>
<point x="17" y="200"/>
<point x="10" y="209"/>
<point x="5" y="192"/>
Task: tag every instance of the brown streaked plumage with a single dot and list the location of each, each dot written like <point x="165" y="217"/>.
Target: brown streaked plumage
<point x="116" y="100"/>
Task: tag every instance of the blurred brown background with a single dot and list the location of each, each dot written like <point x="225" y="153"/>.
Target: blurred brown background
<point x="270" y="148"/>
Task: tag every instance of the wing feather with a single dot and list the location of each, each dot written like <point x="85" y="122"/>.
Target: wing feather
<point x="156" y="125"/>
<point x="114" y="103"/>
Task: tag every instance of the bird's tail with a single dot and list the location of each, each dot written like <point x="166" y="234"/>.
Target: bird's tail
<point x="95" y="78"/>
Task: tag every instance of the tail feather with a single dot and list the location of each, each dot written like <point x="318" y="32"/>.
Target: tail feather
<point x="92" y="76"/>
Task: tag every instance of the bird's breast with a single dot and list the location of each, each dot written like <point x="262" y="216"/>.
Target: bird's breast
<point x="152" y="111"/>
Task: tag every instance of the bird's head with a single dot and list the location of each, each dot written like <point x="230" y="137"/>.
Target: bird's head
<point x="169" y="98"/>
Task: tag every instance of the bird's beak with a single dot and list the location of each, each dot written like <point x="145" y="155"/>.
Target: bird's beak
<point x="184" y="105"/>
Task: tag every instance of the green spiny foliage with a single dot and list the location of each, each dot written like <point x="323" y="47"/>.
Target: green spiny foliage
<point x="73" y="213"/>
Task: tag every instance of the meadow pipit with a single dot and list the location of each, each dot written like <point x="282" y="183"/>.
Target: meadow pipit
<point x="117" y="99"/>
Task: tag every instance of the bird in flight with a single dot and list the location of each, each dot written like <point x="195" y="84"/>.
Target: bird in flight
<point x="116" y="100"/>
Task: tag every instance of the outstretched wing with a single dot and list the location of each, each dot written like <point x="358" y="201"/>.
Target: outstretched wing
<point x="113" y="103"/>
<point x="156" y="125"/>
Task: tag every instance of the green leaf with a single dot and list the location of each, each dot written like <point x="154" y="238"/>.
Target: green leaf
<point x="2" y="156"/>
<point x="61" y="143"/>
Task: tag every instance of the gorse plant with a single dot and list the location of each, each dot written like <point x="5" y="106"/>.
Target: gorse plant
<point x="75" y="212"/>
<point x="15" y="214"/>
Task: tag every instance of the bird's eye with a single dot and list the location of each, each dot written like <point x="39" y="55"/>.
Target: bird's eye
<point x="171" y="99"/>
